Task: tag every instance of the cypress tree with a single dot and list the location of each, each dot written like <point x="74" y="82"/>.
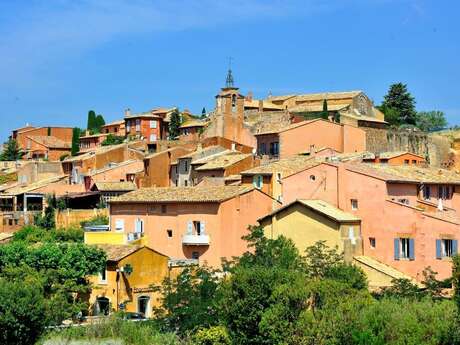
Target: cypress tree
<point x="99" y="122"/>
<point x="91" y="120"/>
<point x="203" y="113"/>
<point x="75" y="141"/>
<point x="325" y="112"/>
<point x="174" y="124"/>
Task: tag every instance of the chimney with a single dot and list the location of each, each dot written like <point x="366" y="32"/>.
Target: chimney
<point x="127" y="112"/>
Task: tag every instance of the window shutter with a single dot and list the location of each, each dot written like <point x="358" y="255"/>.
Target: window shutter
<point x="454" y="247"/>
<point x="396" y="248"/>
<point x="411" y="249"/>
<point x="189" y="227"/>
<point x="137" y="226"/>
<point x="438" y="249"/>
<point x="202" y="228"/>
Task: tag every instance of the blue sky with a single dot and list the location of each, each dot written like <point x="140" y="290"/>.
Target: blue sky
<point x="60" y="58"/>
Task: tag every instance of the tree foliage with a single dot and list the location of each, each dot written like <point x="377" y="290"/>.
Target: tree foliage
<point x="112" y="140"/>
<point x="174" y="124"/>
<point x="11" y="151"/>
<point x="399" y="105"/>
<point x="76" y="133"/>
<point x="431" y="120"/>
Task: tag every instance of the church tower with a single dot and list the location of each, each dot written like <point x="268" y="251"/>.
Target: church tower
<point x="230" y="110"/>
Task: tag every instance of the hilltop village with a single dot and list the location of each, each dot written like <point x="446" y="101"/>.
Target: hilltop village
<point x="310" y="167"/>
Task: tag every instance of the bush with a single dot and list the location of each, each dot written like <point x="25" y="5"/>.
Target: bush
<point x="216" y="335"/>
<point x="97" y="220"/>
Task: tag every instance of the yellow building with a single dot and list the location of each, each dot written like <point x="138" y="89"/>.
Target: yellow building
<point x="128" y="280"/>
<point x="306" y="222"/>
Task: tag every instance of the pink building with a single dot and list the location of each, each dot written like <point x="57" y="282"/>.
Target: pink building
<point x="409" y="214"/>
<point x="204" y="223"/>
<point x="309" y="136"/>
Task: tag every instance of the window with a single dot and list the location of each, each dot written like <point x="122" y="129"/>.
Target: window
<point x="257" y="181"/>
<point x="446" y="248"/>
<point x="414" y="161"/>
<point x="198" y="227"/>
<point x="312" y="178"/>
<point x="195" y="255"/>
<point x="263" y="149"/>
<point x="274" y="148"/>
<point x="233" y="103"/>
<point x="185" y="183"/>
<point x="186" y="166"/>
<point x="372" y="242"/>
<point x="426" y="192"/>
<point x="354" y="204"/>
<point x="404" y="248"/>
<point x="406" y="161"/>
<point x="138" y="125"/>
<point x="119" y="225"/>
<point x="163" y="208"/>
<point x="170" y="233"/>
<point x="404" y="201"/>
<point x="139" y="226"/>
<point x="278" y="177"/>
<point x="153" y="124"/>
<point x="103" y="276"/>
<point x="153" y="137"/>
<point x="443" y="192"/>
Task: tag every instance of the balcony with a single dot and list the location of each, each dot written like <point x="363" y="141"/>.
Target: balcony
<point x="195" y="240"/>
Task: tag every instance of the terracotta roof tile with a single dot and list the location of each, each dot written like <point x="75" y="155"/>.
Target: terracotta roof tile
<point x="115" y="186"/>
<point x="406" y="173"/>
<point x="116" y="252"/>
<point x="286" y="167"/>
<point x="183" y="194"/>
<point x="223" y="161"/>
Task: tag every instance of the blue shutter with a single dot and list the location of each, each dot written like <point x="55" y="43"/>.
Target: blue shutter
<point x="396" y="248"/>
<point x="454" y="247"/>
<point x="411" y="249"/>
<point x="438" y="249"/>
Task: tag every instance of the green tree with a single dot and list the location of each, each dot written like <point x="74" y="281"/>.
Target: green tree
<point x="325" y="112"/>
<point x="431" y="120"/>
<point x="98" y="123"/>
<point x="112" y="140"/>
<point x="91" y="123"/>
<point x="11" y="151"/>
<point x="190" y="301"/>
<point x="400" y="100"/>
<point x="174" y="124"/>
<point x="203" y="113"/>
<point x="22" y="311"/>
<point x="76" y="133"/>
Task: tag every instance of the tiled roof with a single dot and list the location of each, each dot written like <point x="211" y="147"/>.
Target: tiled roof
<point x="113" y="166"/>
<point x="94" y="135"/>
<point x="383" y="268"/>
<point x="406" y="173"/>
<point x="193" y="123"/>
<point x="183" y="194"/>
<point x="327" y="96"/>
<point x="280" y="98"/>
<point x="115" y="186"/>
<point x="273" y="128"/>
<point x="266" y="104"/>
<point x="120" y="122"/>
<point x="322" y="207"/>
<point x="116" y="252"/>
<point x="20" y="189"/>
<point x="223" y="161"/>
<point x="50" y="141"/>
<point x="393" y="154"/>
<point x="362" y="117"/>
<point x="311" y="108"/>
<point x="97" y="150"/>
<point x="286" y="167"/>
<point x="198" y="154"/>
<point x="5" y="236"/>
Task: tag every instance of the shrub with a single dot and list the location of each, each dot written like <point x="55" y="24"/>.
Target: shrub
<point x="216" y="335"/>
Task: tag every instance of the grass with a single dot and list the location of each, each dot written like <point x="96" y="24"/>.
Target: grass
<point x="115" y="330"/>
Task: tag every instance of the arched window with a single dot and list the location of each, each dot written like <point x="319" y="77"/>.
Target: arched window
<point x="233" y="103"/>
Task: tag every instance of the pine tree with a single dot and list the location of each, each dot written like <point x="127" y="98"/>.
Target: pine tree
<point x="91" y="120"/>
<point x="399" y="100"/>
<point x="174" y="125"/>
<point x="75" y="141"/>
<point x="203" y="113"/>
<point x="11" y="152"/>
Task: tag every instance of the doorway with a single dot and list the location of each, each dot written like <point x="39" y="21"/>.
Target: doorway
<point x="143" y="305"/>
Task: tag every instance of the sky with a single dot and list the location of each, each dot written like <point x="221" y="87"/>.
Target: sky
<point x="61" y="58"/>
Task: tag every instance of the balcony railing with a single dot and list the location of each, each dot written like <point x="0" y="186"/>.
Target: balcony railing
<point x="134" y="236"/>
<point x="195" y="240"/>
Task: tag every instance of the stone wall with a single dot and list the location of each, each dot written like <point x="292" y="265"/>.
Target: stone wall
<point x="434" y="148"/>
